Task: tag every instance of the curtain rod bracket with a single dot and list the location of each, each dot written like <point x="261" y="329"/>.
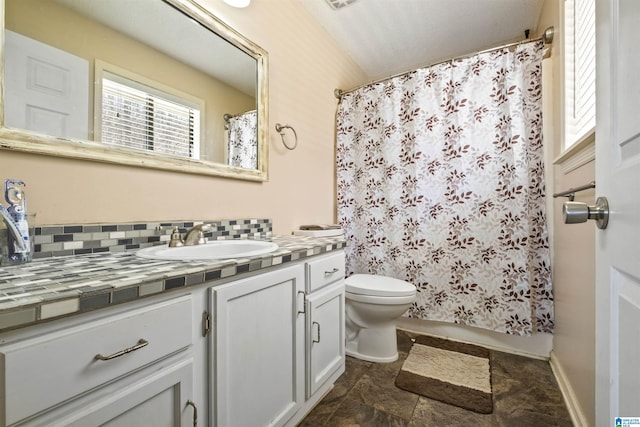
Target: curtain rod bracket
<point x="547" y="36"/>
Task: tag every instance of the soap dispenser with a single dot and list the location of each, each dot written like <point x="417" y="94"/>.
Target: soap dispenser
<point x="15" y="218"/>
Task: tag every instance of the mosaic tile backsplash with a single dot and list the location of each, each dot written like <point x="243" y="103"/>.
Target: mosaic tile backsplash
<point x="66" y="240"/>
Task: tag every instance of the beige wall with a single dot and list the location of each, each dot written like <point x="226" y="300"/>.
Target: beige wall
<point x="305" y="66"/>
<point x="574" y="291"/>
<point x="573" y="248"/>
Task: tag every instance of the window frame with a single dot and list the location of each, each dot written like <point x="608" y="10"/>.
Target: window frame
<point x="575" y="135"/>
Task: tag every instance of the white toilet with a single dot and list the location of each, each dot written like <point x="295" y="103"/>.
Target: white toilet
<point x="373" y="304"/>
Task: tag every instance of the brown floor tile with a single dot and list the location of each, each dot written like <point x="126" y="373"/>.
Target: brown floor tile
<point x="526" y="389"/>
<point x="356" y="414"/>
<point x="354" y="370"/>
<point x="525" y="394"/>
<point x="431" y="413"/>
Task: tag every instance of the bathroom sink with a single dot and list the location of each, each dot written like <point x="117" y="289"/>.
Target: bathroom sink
<point x="217" y="249"/>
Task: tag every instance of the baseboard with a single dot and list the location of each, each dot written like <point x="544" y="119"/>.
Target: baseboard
<point x="575" y="411"/>
<point x="537" y="346"/>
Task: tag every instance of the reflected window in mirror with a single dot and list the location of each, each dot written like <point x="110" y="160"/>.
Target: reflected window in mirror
<point x="145" y="117"/>
<point x="209" y="69"/>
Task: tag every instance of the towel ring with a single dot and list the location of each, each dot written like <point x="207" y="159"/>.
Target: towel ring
<point x="280" y="129"/>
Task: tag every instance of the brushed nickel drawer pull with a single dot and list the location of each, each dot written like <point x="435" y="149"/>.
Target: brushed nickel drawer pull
<point x="304" y="302"/>
<point x="195" y="412"/>
<point x="141" y="343"/>
<point x="318" y="325"/>
<point x="329" y="273"/>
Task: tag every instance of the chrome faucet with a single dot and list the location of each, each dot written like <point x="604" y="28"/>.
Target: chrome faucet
<point x="15" y="217"/>
<point x="194" y="236"/>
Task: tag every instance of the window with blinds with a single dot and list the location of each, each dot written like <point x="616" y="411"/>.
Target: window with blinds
<point x="144" y="118"/>
<point x="580" y="70"/>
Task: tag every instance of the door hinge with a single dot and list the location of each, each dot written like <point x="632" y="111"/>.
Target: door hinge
<point x="206" y="323"/>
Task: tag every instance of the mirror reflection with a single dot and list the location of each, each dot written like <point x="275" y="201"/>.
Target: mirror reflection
<point x="133" y="76"/>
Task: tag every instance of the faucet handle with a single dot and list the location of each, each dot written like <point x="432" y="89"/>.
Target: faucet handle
<point x="205" y="227"/>
<point x="176" y="238"/>
<point x="201" y="229"/>
<point x="195" y="235"/>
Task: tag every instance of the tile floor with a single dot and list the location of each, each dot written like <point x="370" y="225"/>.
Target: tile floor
<point x="525" y="394"/>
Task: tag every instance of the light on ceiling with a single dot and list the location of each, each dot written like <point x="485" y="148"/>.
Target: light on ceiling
<point x="238" y="3"/>
<point x="339" y="4"/>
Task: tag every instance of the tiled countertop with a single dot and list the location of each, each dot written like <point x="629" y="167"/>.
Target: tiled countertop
<point x="54" y="287"/>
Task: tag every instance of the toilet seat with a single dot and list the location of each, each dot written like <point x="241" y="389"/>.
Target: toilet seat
<point x="380" y="300"/>
<point x="378" y="286"/>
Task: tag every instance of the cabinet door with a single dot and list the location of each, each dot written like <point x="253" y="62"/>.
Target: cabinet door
<point x="258" y="349"/>
<point x="156" y="397"/>
<point x="325" y="332"/>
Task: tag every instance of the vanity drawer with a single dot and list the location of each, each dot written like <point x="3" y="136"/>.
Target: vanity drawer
<point x="325" y="270"/>
<point x="43" y="371"/>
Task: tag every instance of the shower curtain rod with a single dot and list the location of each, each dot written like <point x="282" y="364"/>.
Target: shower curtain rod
<point x="228" y="116"/>
<point x="546" y="37"/>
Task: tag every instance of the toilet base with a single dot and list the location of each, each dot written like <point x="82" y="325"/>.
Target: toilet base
<point x="371" y="358"/>
<point x="374" y="344"/>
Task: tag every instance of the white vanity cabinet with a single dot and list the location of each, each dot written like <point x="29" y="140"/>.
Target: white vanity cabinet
<point x="257" y="348"/>
<point x="255" y="351"/>
<point x="325" y="321"/>
<point x="129" y="368"/>
<point x="278" y="343"/>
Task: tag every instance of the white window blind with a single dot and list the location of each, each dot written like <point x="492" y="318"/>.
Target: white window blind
<point x="580" y="70"/>
<point x="140" y="117"/>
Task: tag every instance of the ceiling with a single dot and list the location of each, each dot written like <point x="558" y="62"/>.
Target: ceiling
<point x="387" y="37"/>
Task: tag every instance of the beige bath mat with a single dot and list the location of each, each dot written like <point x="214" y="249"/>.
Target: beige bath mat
<point x="451" y="372"/>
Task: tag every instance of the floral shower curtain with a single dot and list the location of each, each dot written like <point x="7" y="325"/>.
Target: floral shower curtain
<point x="440" y="183"/>
<point x="243" y="140"/>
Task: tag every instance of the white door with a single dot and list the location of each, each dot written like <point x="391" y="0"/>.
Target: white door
<point x="46" y="89"/>
<point x="618" y="179"/>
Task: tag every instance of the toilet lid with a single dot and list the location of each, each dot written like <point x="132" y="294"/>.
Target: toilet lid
<point x="369" y="284"/>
